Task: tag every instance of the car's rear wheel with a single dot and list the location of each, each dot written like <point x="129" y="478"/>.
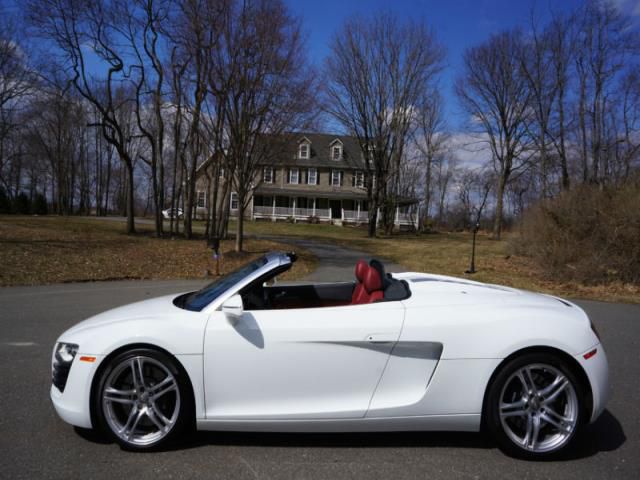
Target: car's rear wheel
<point x="143" y="400"/>
<point x="534" y="406"/>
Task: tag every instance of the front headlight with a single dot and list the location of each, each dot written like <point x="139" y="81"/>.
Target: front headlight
<point x="66" y="352"/>
<point x="62" y="360"/>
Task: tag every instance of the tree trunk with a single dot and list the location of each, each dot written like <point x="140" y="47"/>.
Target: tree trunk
<point x="131" y="227"/>
<point x="566" y="182"/>
<point x="240" y="226"/>
<point x="497" y="222"/>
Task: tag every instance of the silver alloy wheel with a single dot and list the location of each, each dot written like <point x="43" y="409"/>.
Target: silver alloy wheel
<point x="538" y="408"/>
<point x="141" y="400"/>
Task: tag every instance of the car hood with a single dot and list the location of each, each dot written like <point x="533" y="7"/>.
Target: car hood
<point x="154" y="307"/>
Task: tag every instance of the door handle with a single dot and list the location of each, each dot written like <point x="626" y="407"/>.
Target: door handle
<point x="381" y="338"/>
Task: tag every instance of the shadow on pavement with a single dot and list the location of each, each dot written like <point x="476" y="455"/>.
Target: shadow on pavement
<point x="605" y="435"/>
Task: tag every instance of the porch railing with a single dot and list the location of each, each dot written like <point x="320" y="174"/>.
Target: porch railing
<point x="356" y="216"/>
<point x="286" y="212"/>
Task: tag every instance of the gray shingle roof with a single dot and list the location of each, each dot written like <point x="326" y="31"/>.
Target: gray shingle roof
<point x="321" y="152"/>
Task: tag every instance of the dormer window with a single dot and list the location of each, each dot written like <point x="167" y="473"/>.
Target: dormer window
<point x="336" y="150"/>
<point x="304" y="149"/>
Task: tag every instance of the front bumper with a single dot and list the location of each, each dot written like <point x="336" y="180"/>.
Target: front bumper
<point x="597" y="370"/>
<point x="73" y="406"/>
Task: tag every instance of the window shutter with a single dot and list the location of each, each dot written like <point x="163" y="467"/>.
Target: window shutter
<point x="353" y="179"/>
<point x="341" y="177"/>
<point x="288" y="175"/>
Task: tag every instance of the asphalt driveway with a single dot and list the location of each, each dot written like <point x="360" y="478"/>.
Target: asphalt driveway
<point x="34" y="443"/>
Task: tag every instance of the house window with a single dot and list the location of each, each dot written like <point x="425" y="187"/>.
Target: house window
<point x="336" y="178"/>
<point x="267" y="175"/>
<point x="358" y="179"/>
<point x="336" y="152"/>
<point x="234" y="201"/>
<point x="303" y="151"/>
<point x="312" y="176"/>
<point x="202" y="198"/>
<point x="294" y="175"/>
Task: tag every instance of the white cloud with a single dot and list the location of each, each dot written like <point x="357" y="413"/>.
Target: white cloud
<point x="632" y="7"/>
<point x="472" y="150"/>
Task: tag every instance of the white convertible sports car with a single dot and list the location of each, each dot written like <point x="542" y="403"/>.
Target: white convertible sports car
<point x="408" y="351"/>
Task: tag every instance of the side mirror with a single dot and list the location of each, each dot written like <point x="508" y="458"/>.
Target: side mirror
<point x="233" y="307"/>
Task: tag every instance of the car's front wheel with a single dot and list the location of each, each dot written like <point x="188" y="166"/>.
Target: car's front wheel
<point x="143" y="400"/>
<point x="534" y="406"/>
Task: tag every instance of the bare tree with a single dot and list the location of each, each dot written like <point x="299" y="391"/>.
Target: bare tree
<point x="377" y="72"/>
<point x="473" y="187"/>
<point x="494" y="92"/>
<point x="195" y="33"/>
<point x="430" y="138"/>
<point x="604" y="43"/>
<point x="260" y="93"/>
<point x="559" y="36"/>
<point x="17" y="82"/>
<point x="75" y="26"/>
<point x="142" y="24"/>
<point x="537" y="66"/>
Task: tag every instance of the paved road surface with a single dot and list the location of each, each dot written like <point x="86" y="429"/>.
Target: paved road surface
<point x="34" y="443"/>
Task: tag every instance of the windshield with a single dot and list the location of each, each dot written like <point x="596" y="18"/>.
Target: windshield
<point x="196" y="301"/>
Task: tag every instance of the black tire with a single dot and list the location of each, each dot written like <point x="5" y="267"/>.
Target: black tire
<point x="527" y="409"/>
<point x="158" y="410"/>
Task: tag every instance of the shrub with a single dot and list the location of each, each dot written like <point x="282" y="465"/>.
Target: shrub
<point x="39" y="206"/>
<point x="22" y="204"/>
<point x="589" y="234"/>
<point x="5" y="201"/>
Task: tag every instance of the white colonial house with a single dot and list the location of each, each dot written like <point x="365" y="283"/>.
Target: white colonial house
<point x="322" y="179"/>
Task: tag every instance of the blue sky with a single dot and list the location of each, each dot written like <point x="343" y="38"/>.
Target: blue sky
<point x="458" y="24"/>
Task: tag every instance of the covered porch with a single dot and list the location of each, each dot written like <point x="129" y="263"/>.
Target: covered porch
<point x="321" y="208"/>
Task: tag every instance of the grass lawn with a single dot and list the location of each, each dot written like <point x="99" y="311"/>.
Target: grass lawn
<point x="449" y="254"/>
<point x="43" y="250"/>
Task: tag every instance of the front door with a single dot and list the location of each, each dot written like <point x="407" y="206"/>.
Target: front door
<point x="298" y="363"/>
<point x="336" y="209"/>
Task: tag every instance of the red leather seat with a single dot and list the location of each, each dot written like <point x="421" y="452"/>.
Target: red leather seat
<point x="373" y="286"/>
<point x="359" y="294"/>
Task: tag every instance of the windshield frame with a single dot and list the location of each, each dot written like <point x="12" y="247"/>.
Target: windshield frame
<point x="272" y="260"/>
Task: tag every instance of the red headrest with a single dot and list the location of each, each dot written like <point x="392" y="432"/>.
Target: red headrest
<point x="361" y="269"/>
<point x="372" y="280"/>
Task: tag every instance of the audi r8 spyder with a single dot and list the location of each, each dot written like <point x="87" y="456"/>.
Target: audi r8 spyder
<point x="408" y="351"/>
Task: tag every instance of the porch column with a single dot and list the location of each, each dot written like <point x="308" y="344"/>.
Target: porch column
<point x="417" y="222"/>
<point x="358" y="214"/>
<point x="273" y="211"/>
<point x="377" y="217"/>
<point x="397" y="219"/>
<point x="294" y="209"/>
<point x="314" y="206"/>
